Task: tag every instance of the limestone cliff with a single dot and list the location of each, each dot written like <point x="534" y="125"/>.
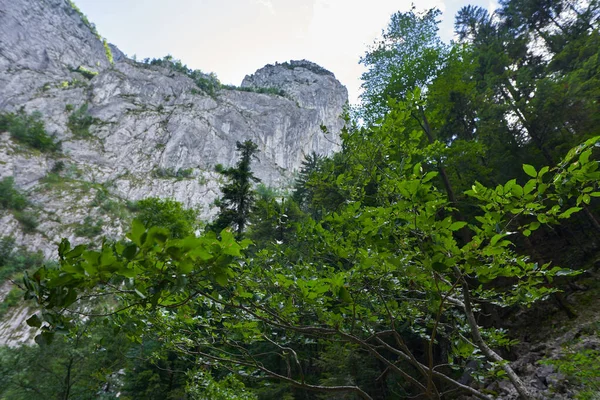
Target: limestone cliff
<point x="151" y="131"/>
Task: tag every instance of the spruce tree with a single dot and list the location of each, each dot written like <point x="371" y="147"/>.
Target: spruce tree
<point x="238" y="195"/>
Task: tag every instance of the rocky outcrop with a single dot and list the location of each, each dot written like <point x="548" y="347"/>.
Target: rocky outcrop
<point x="150" y="130"/>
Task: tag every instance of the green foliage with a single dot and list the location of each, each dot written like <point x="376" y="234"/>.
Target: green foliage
<point x="27" y="219"/>
<point x="15" y="259"/>
<point x="108" y="52"/>
<point x="306" y="65"/>
<point x="88" y="74"/>
<point x="208" y="83"/>
<point x="376" y="281"/>
<point x="167" y="173"/>
<point x="80" y="365"/>
<point x="29" y="130"/>
<point x="80" y="121"/>
<point x="407" y="57"/>
<point x="89" y="227"/>
<point x="13" y="298"/>
<point x="238" y="196"/>
<point x="203" y="386"/>
<point x="10" y="197"/>
<point x="580" y="366"/>
<point x="263" y="90"/>
<point x="387" y="262"/>
<point x="169" y="214"/>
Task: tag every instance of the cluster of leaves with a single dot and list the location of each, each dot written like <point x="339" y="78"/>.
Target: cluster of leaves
<point x="15" y="259"/>
<point x="28" y="129"/>
<point x="179" y="174"/>
<point x="306" y="65"/>
<point x="15" y="201"/>
<point x="169" y="214"/>
<point x="10" y="197"/>
<point x="579" y="365"/>
<point x="80" y="121"/>
<point x="208" y="83"/>
<point x="87" y="73"/>
<point x="89" y="228"/>
<point x="263" y="90"/>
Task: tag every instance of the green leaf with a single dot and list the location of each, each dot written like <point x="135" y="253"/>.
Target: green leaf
<point x="529" y="186"/>
<point x="130" y="251"/>
<point x="567" y="214"/>
<point x="457" y="225"/>
<point x="44" y="338"/>
<point x="137" y="230"/>
<point x="76" y="252"/>
<point x="344" y="295"/>
<point x="34" y="321"/>
<point x="586" y="198"/>
<point x="497" y="237"/>
<point x="530" y="170"/>
<point x="221" y="279"/>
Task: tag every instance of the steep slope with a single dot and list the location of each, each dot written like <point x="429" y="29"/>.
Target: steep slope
<point x="130" y="130"/>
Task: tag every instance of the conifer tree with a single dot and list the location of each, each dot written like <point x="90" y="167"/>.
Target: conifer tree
<point x="238" y="195"/>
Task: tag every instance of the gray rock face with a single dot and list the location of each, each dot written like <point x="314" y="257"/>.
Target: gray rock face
<point x="154" y="131"/>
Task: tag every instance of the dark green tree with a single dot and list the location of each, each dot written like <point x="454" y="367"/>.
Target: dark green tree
<point x="238" y="195"/>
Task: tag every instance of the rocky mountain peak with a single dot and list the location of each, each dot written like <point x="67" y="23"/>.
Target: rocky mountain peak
<point x="131" y="130"/>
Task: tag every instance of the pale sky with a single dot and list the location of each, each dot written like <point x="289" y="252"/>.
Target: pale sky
<point x="234" y="38"/>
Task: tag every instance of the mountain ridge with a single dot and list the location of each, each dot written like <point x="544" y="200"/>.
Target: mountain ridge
<point x="146" y="130"/>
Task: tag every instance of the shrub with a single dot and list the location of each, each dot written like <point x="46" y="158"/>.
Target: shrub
<point x="208" y="83"/>
<point x="168" y="214"/>
<point x="13" y="298"/>
<point x="108" y="51"/>
<point x="10" y="197"/>
<point x="263" y="90"/>
<point x="580" y="366"/>
<point x="29" y="130"/>
<point x="80" y="121"/>
<point x="165" y="173"/>
<point x="15" y="259"/>
<point x="27" y="219"/>
<point x="89" y="74"/>
<point x="89" y="228"/>
<point x="58" y="167"/>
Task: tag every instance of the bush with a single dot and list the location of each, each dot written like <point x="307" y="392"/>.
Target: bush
<point x="14" y="297"/>
<point x="263" y="90"/>
<point x="181" y="173"/>
<point x="29" y="130"/>
<point x="27" y="219"/>
<point x="89" y="74"/>
<point x="80" y="121"/>
<point x="10" y="197"/>
<point x="580" y="366"/>
<point x="58" y="167"/>
<point x="89" y="228"/>
<point x="14" y="259"/>
<point x="208" y="83"/>
<point x="168" y="214"/>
